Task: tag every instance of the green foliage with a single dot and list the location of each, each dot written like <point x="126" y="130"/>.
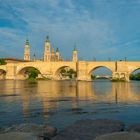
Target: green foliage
<point x="32" y="81"/>
<point x="68" y="73"/>
<point x="33" y="73"/>
<point x="63" y="71"/>
<point x="93" y="77"/>
<point x="135" y="76"/>
<point x="118" y="80"/>
<point x="72" y="73"/>
<point x="2" y="62"/>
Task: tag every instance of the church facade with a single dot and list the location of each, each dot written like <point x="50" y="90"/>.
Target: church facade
<point x="50" y="55"/>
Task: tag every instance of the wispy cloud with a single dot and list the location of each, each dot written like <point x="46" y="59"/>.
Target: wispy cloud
<point x="94" y="26"/>
<point x="128" y="43"/>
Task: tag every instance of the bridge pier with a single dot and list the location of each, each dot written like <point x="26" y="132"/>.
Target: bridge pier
<point x="11" y="71"/>
<point x="82" y="71"/>
<point x="84" y="79"/>
<point x="83" y="76"/>
<point x="121" y="76"/>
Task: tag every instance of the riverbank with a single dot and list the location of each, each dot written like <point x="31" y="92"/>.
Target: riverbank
<point x="33" y="131"/>
<point x="100" y="129"/>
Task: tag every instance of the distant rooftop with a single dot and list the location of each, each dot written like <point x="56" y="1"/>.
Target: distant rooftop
<point x="14" y="60"/>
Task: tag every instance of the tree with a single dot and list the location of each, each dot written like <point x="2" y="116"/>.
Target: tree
<point x="93" y="77"/>
<point x="135" y="76"/>
<point x="2" y="62"/>
<point x="33" y="73"/>
<point x="72" y="73"/>
<point x="63" y="71"/>
<point x="68" y="73"/>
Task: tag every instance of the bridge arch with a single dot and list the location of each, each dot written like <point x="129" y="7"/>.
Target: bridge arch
<point x="133" y="73"/>
<point x="64" y="72"/>
<point x="103" y="77"/>
<point x="134" y="70"/>
<point x="93" y="69"/>
<point x="22" y="73"/>
<point x="2" y="74"/>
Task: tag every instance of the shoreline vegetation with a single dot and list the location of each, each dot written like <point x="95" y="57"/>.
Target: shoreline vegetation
<point x="32" y="75"/>
<point x="65" y="73"/>
<point x="2" y="62"/>
<point x="135" y="77"/>
<point x="93" y="77"/>
<point x="35" y="79"/>
<point x="118" y="80"/>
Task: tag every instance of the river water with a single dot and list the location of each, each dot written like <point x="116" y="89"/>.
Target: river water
<point x="60" y="103"/>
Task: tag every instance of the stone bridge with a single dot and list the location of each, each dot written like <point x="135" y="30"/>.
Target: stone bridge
<point x="84" y="69"/>
<point x="103" y="76"/>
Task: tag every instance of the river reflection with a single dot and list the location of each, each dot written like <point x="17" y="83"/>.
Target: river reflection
<point x="60" y="103"/>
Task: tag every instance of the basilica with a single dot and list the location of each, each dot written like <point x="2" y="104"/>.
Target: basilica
<point x="50" y="55"/>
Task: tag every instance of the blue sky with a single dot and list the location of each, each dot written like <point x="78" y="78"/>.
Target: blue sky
<point x="99" y="28"/>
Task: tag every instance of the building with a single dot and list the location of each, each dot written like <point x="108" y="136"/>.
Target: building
<point x="50" y="55"/>
<point x="75" y="55"/>
<point x="27" y="51"/>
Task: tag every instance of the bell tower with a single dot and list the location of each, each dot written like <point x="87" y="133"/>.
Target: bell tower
<point x="53" y="55"/>
<point x="57" y="55"/>
<point x="75" y="55"/>
<point x="47" y="50"/>
<point x="34" y="57"/>
<point x="27" y="51"/>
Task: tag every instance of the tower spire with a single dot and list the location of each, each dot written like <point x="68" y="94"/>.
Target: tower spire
<point x="47" y="39"/>
<point x="75" y="54"/>
<point x="53" y="55"/>
<point x="34" y="57"/>
<point x="27" y="51"/>
<point x="27" y="42"/>
<point x="57" y="55"/>
<point x="47" y="50"/>
<point x="75" y="48"/>
<point x="57" y="49"/>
